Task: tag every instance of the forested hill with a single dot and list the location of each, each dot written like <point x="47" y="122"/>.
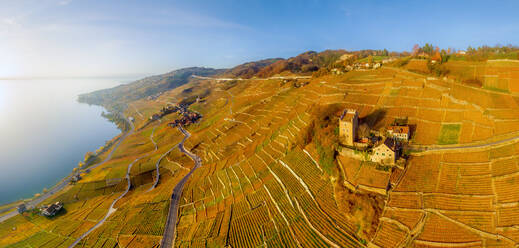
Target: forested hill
<point x="145" y="87"/>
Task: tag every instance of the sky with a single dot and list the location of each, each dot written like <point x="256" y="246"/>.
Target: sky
<point x="105" y="38"/>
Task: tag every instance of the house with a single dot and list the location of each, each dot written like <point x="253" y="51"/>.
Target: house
<point x="388" y="60"/>
<point x="461" y="52"/>
<point x="386" y="152"/>
<point x="155" y="117"/>
<point x="336" y="71"/>
<point x="399" y="132"/>
<point x="348" y="124"/>
<point x="75" y="178"/>
<point x="51" y="210"/>
<point x="21" y="208"/>
<point x="423" y="55"/>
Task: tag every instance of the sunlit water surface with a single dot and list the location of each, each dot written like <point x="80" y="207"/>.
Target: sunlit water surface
<point x="45" y="132"/>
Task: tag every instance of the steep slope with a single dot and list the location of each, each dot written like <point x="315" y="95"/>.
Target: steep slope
<point x="272" y="173"/>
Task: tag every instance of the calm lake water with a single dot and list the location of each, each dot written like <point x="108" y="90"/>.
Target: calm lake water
<point x="45" y="132"/>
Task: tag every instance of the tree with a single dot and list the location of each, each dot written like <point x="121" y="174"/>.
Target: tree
<point x="437" y="56"/>
<point x="370" y="59"/>
<point x="428" y="48"/>
<point x="416" y="49"/>
<point x="88" y="156"/>
<point x="363" y="130"/>
<point x="385" y="53"/>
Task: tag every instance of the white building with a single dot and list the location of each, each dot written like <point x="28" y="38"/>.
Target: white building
<point x="386" y="152"/>
<point x="399" y="132"/>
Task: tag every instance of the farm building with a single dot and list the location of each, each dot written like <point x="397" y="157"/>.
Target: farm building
<point x="51" y="210"/>
<point x="21" y="208"/>
<point x="399" y="132"/>
<point x="387" y="152"/>
<point x="348" y="124"/>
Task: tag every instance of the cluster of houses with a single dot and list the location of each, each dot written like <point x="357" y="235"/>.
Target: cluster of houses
<point x="166" y="110"/>
<point x="362" y="66"/>
<point x="356" y="67"/>
<point x="154" y="96"/>
<point x="75" y="178"/>
<point x="51" y="210"/>
<point x="385" y="148"/>
<point x="188" y="117"/>
<point x="45" y="210"/>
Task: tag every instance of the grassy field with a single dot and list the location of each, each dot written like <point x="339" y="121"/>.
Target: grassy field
<point x="449" y="134"/>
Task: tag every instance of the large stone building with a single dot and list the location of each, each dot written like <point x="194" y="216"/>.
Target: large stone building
<point x="387" y="152"/>
<point x="348" y="124"/>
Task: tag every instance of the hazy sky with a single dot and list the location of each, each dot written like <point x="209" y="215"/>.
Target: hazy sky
<point x="111" y="38"/>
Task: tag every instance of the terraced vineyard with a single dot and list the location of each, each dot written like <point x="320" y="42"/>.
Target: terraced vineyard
<point x="271" y="176"/>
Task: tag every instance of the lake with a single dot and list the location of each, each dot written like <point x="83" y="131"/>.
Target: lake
<point x="45" y="132"/>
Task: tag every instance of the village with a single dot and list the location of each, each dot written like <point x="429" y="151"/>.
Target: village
<point x="187" y="116"/>
<point x="385" y="148"/>
<point x="45" y="210"/>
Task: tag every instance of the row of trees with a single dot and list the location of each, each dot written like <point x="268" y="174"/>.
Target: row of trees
<point x="475" y="54"/>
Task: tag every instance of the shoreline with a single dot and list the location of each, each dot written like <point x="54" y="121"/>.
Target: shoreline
<point x="7" y="211"/>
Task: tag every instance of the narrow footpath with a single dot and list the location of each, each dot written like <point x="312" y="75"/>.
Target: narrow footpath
<point x="168" y="240"/>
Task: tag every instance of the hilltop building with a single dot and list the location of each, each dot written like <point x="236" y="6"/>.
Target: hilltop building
<point x="399" y="132"/>
<point x="51" y="210"/>
<point x="348" y="124"/>
<point x="387" y="152"/>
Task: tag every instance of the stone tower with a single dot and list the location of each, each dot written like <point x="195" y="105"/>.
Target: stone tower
<point x="348" y="124"/>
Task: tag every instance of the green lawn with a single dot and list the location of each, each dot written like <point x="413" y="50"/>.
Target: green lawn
<point x="449" y="134"/>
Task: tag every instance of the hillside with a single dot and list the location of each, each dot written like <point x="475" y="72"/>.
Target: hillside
<point x="149" y="86"/>
<point x="272" y="172"/>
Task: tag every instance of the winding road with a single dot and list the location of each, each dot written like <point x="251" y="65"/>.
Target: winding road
<point x="111" y="210"/>
<point x="157" y="164"/>
<point x="241" y="79"/>
<point x="169" y="231"/>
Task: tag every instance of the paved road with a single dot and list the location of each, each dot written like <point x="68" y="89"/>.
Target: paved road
<point x="111" y="210"/>
<point x="60" y="186"/>
<point x="241" y="79"/>
<point x="427" y="148"/>
<point x="157" y="165"/>
<point x="168" y="241"/>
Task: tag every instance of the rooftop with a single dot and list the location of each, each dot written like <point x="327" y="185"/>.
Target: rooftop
<point x="398" y="129"/>
<point x="391" y="144"/>
<point x="348" y="114"/>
